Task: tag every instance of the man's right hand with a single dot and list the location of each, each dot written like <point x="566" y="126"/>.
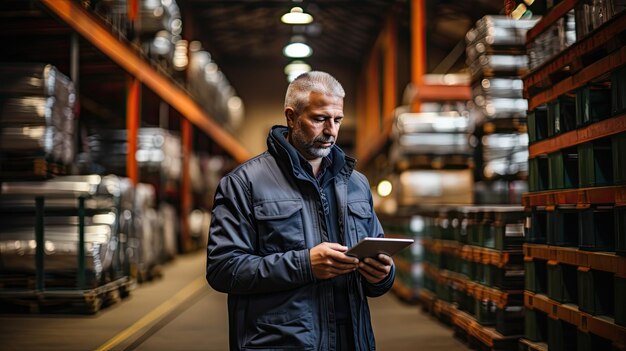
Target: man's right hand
<point x="329" y="260"/>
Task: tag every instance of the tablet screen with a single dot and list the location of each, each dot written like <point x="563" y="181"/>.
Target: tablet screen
<point x="370" y="247"/>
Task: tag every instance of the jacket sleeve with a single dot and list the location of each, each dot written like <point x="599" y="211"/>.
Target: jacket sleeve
<point x="232" y="263"/>
<point x="380" y="288"/>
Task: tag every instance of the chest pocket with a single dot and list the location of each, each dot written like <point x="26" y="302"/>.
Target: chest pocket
<point x="360" y="218"/>
<point x="280" y="226"/>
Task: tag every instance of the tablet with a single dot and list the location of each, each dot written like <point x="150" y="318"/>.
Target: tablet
<point x="370" y="247"/>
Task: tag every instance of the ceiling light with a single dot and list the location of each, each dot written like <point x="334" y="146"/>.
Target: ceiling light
<point x="297" y="48"/>
<point x="296" y="68"/>
<point x="296" y="16"/>
<point x="384" y="188"/>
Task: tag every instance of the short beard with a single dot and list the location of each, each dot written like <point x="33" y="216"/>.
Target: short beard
<point x="308" y="149"/>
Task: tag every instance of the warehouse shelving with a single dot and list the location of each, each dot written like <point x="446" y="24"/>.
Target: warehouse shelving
<point x="604" y="261"/>
<point x="119" y="86"/>
<point x="601" y="129"/>
<point x="598" y="325"/>
<point x="582" y="197"/>
<point x="129" y="58"/>
<point x="573" y="255"/>
<point x="467" y="281"/>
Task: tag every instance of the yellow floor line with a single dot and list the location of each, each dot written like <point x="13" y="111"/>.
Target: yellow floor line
<point x="156" y="314"/>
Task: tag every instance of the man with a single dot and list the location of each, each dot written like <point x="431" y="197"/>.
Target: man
<point x="281" y="225"/>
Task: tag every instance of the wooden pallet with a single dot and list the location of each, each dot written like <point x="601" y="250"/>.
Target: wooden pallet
<point x="65" y="301"/>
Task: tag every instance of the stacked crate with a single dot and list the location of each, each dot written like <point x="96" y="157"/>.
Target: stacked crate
<point x="409" y="273"/>
<point x="574" y="255"/>
<point x="431" y="157"/>
<point x="37" y="123"/>
<point x="497" y="59"/>
<point x="474" y="273"/>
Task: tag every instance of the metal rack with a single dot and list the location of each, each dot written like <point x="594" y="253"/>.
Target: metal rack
<point x="575" y="240"/>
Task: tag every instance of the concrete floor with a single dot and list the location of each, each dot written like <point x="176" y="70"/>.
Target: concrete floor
<point x="180" y="312"/>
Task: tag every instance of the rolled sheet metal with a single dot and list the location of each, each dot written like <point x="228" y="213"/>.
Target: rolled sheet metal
<point x="36" y="112"/>
<point x="430" y="133"/>
<point x="108" y="205"/>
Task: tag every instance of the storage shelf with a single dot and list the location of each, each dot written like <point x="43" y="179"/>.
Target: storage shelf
<point x="558" y="11"/>
<point x="602" y="261"/>
<point x="403" y="265"/>
<point x="607" y="127"/>
<point x="476" y="290"/>
<point x="599" y="39"/>
<point x="128" y="57"/>
<point x="470" y="253"/>
<point x="582" y="197"/>
<point x="487" y="335"/>
<point x="403" y="292"/>
<point x="603" y="66"/>
<point x="602" y="326"/>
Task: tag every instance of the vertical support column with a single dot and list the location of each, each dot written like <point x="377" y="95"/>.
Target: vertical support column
<point x="81" y="242"/>
<point x="133" y="108"/>
<point x="39" y="241"/>
<point x="418" y="47"/>
<point x="74" y="60"/>
<point x="372" y="108"/>
<point x="390" y="71"/>
<point x="185" y="193"/>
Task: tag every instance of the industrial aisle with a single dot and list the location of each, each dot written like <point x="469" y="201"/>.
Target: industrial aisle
<point x="180" y="312"/>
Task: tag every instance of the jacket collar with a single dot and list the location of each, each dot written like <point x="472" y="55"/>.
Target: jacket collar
<point x="291" y="161"/>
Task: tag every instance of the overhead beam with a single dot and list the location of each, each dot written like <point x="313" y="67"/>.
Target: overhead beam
<point x="131" y="61"/>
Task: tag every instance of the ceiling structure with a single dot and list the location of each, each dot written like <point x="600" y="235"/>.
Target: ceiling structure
<point x="248" y="31"/>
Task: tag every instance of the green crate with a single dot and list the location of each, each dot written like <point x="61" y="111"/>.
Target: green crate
<point x="619" y="158"/>
<point x="620" y="230"/>
<point x="563" y="169"/>
<point x="537" y="124"/>
<point x="562" y="282"/>
<point x="536" y="275"/>
<point x="510" y="320"/>
<point x="473" y="227"/>
<point x="595" y="292"/>
<point x="486" y="231"/>
<point x="563" y="226"/>
<point x="479" y="272"/>
<point x="511" y="277"/>
<point x="620" y="302"/>
<point x="618" y="90"/>
<point x="485" y="311"/>
<point x="538" y="230"/>
<point x="538" y="173"/>
<point x="562" y="115"/>
<point x="596" y="229"/>
<point x="509" y="230"/>
<point x="595" y="163"/>
<point x="444" y="292"/>
<point x="593" y="103"/>
<point x="592" y="342"/>
<point x="561" y="335"/>
<point x="535" y="325"/>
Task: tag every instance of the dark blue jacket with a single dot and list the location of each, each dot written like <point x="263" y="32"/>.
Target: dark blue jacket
<point x="266" y="217"/>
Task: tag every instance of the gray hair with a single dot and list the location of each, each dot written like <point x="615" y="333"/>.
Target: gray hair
<point x="297" y="96"/>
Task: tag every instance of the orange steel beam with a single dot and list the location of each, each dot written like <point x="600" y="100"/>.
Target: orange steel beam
<point x="418" y="46"/>
<point x="185" y="197"/>
<point x="390" y="66"/>
<point x="442" y="92"/>
<point x="128" y="58"/>
<point x="133" y="108"/>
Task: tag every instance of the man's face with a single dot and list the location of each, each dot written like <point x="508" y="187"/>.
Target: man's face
<point x="314" y="132"/>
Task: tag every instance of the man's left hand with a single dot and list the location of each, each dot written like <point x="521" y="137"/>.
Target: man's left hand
<point x="375" y="270"/>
